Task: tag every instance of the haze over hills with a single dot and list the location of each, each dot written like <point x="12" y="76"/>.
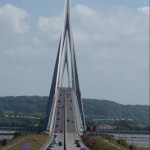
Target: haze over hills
<point x="98" y="109"/>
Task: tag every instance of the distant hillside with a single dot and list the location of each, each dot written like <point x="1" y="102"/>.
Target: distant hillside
<point x="92" y="107"/>
<point x="110" y="109"/>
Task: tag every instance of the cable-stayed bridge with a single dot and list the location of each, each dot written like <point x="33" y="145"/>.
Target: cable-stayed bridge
<point x="64" y="117"/>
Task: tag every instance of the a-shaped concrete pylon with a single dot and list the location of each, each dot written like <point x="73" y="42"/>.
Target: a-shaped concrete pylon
<point x="65" y="58"/>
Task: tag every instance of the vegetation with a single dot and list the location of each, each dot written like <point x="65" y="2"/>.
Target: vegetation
<point x="23" y="104"/>
<point x="123" y="143"/>
<point x="103" y="109"/>
<point x="21" y="138"/>
<point x="108" y="142"/>
<point x="34" y="140"/>
<point x="19" y="134"/>
<point x="131" y="147"/>
<point x="108" y="109"/>
<point x="4" y="142"/>
<point x="101" y="144"/>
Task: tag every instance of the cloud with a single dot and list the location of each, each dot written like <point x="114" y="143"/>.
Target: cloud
<point x="112" y="43"/>
<point x="114" y="46"/>
<point x="112" y="36"/>
<point x="50" y="28"/>
<point x="145" y="10"/>
<point x="12" y="20"/>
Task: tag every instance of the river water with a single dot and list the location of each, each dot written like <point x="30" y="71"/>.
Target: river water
<point x="135" y="139"/>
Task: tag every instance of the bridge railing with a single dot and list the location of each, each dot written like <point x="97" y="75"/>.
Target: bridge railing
<point x="52" y="122"/>
<point x="53" y="113"/>
<point x="50" y="116"/>
<point x="77" y="113"/>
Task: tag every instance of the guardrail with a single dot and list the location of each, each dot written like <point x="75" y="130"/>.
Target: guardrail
<point x="51" y="112"/>
<point x="65" y="145"/>
<point x="77" y="121"/>
<point x="76" y="111"/>
<point x="53" y="121"/>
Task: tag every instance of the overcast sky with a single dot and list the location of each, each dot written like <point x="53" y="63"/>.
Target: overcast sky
<point x="111" y="41"/>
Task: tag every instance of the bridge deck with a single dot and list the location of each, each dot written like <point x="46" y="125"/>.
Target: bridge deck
<point x="65" y="121"/>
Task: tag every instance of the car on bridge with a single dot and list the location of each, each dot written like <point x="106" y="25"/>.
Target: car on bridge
<point x="54" y="141"/>
<point x="78" y="145"/>
<point x="51" y="146"/>
<point x="60" y="143"/>
<point x="76" y="141"/>
<point x="55" y="135"/>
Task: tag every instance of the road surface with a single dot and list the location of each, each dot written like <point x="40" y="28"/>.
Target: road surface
<point x="65" y="122"/>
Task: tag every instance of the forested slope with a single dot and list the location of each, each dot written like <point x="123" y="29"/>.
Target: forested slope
<point x="93" y="108"/>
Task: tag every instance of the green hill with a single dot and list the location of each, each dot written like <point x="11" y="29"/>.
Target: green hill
<point x="106" y="109"/>
<point x="93" y="108"/>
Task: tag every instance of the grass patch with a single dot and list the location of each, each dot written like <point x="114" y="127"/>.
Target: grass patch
<point x="100" y="144"/>
<point x="35" y="140"/>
